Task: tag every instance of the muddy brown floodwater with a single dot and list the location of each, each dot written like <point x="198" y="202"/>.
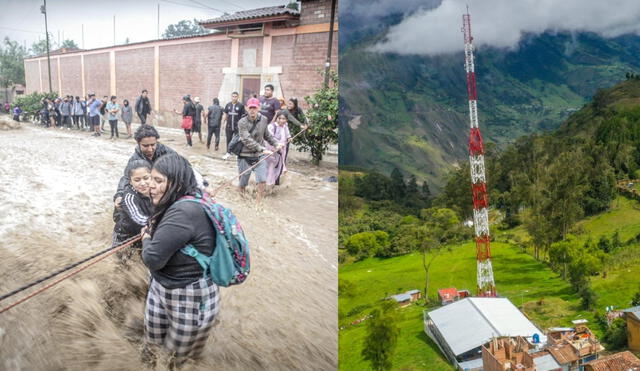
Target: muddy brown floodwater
<point x="56" y="189"/>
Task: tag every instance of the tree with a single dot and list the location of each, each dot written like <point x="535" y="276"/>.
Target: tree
<point x="323" y="120"/>
<point x="69" y="44"/>
<point x="562" y="254"/>
<point x="425" y="193"/>
<point x="636" y="299"/>
<point x="184" y="28"/>
<point x="11" y="63"/>
<point x="398" y="188"/>
<point x="40" y="47"/>
<point x="616" y="335"/>
<point x="382" y="337"/>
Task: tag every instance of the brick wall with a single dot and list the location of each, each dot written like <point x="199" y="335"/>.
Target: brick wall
<point x="31" y="71"/>
<point x="190" y="67"/>
<point x="96" y="74"/>
<point x="70" y="70"/>
<point x="318" y="11"/>
<point x="45" y="75"/>
<point x="134" y="72"/>
<point x="300" y="56"/>
<point x="194" y="69"/>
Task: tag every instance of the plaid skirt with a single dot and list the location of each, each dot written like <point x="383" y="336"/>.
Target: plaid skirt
<point x="180" y="319"/>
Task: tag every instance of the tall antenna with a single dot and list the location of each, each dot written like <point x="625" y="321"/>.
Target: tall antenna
<point x="486" y="285"/>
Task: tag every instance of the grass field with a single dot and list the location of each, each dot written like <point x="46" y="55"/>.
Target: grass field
<point x="548" y="300"/>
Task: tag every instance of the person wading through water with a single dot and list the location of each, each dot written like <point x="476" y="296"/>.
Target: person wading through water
<point x="253" y="132"/>
<point x="188" y="113"/>
<point x="197" y="118"/>
<point x="148" y="150"/>
<point x="269" y="104"/>
<point x="135" y="210"/>
<point x="214" y="115"/>
<point x="182" y="302"/>
<point x="143" y="106"/>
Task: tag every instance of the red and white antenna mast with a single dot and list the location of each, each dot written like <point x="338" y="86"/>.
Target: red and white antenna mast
<point x="486" y="285"/>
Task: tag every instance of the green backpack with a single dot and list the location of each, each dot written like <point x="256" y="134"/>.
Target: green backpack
<point x="229" y="263"/>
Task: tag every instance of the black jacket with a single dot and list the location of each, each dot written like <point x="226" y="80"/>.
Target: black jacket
<point x="189" y="109"/>
<point x="214" y="115"/>
<point x="184" y="223"/>
<point x="161" y="150"/>
<point x="143" y="106"/>
<point x="132" y="215"/>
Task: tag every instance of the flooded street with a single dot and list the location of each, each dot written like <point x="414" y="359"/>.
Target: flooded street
<point x="56" y="190"/>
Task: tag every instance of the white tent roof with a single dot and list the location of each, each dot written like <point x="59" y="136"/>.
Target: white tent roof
<point x="471" y="322"/>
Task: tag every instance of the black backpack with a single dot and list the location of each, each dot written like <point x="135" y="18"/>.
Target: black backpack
<point x="235" y="145"/>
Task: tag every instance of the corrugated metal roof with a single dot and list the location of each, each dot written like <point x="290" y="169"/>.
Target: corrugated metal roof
<point x="616" y="362"/>
<point x="401" y="297"/>
<point x="473" y="364"/>
<point x="632" y="309"/>
<point x="471" y="322"/>
<point x="253" y="14"/>
<point x="546" y="363"/>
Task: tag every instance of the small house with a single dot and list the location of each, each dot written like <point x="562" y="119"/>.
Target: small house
<point x="450" y="295"/>
<point x="406" y="298"/>
<point x="632" y="316"/>
<point x="623" y="361"/>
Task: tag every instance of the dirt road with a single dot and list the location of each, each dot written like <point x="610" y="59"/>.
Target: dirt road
<point x="56" y="188"/>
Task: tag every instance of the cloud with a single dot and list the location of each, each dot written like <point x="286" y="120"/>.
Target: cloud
<point x="375" y="9"/>
<point x="502" y="23"/>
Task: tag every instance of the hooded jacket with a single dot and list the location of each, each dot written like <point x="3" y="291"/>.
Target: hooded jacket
<point x="161" y="150"/>
<point x="132" y="215"/>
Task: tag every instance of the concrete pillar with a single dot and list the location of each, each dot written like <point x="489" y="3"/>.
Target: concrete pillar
<point x="235" y="50"/>
<point x="156" y="78"/>
<point x="59" y="79"/>
<point x="84" y="89"/>
<point x="112" y="72"/>
<point x="266" y="47"/>
<point x="40" y="74"/>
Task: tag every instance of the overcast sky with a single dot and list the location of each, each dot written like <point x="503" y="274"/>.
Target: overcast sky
<point x="22" y="21"/>
<point x="502" y="23"/>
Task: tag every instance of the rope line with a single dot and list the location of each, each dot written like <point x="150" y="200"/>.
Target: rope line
<point x="228" y="182"/>
<point x="106" y="253"/>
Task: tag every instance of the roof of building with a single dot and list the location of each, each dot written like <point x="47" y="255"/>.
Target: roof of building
<point x="411" y="292"/>
<point x="545" y="362"/>
<point x="472" y="364"/>
<point x="564" y="353"/>
<point x="471" y="322"/>
<point x="448" y="293"/>
<point x="400" y="297"/>
<point x="623" y="361"/>
<point x="252" y="14"/>
<point x="635" y="309"/>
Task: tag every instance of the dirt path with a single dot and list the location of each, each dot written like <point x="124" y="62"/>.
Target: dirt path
<point x="55" y="207"/>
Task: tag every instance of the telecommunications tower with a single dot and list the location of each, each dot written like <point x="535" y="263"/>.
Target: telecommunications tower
<point x="486" y="285"/>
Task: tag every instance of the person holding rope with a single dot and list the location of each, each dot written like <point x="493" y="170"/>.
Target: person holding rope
<point x="253" y="133"/>
<point x="182" y="302"/>
<point x="148" y="150"/>
<point x="135" y="209"/>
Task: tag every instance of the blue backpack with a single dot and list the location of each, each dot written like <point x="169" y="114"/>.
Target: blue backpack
<point x="229" y="264"/>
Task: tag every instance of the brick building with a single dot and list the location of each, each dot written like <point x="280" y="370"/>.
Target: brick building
<point x="248" y="49"/>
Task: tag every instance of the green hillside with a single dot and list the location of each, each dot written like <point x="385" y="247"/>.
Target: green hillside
<point x="411" y="111"/>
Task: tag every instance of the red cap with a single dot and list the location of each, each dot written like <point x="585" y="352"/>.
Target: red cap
<point x="253" y="102"/>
